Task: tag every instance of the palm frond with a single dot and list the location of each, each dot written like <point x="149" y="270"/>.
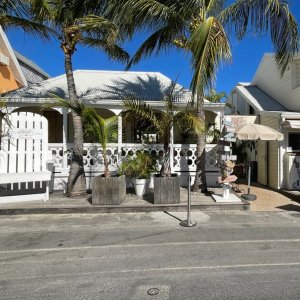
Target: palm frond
<point x="138" y="13"/>
<point x="209" y="46"/>
<point x="190" y="120"/>
<point x="73" y="105"/>
<point x="113" y="51"/>
<point x="215" y="97"/>
<point x="257" y="17"/>
<point x="97" y="26"/>
<point x="142" y="111"/>
<point x="30" y="27"/>
<point x="161" y="39"/>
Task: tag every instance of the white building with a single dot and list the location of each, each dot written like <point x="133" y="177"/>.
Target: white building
<point x="275" y="100"/>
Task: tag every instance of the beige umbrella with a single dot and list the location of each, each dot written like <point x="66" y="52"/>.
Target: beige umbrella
<point x="255" y="132"/>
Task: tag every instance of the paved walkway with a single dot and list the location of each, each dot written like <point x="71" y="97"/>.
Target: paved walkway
<point x="58" y="203"/>
<point x="271" y="200"/>
<point x="267" y="200"/>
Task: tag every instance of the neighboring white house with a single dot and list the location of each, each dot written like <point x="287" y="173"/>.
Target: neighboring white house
<point x="275" y="100"/>
<point x="105" y="90"/>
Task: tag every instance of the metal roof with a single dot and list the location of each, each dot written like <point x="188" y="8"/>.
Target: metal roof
<point x="32" y="72"/>
<point x="107" y="85"/>
<point x="259" y="99"/>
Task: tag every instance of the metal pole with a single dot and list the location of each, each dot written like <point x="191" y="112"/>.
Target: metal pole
<point x="249" y="178"/>
<point x="188" y="222"/>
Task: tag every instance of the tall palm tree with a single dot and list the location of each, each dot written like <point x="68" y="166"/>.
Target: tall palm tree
<point x="73" y="23"/>
<point x="199" y="27"/>
<point x="163" y="122"/>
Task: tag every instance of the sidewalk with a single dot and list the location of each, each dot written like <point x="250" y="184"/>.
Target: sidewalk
<point x="272" y="200"/>
<point x="58" y="203"/>
<point x="267" y="200"/>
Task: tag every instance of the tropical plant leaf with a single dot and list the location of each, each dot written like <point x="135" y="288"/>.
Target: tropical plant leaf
<point x="112" y="50"/>
<point x="255" y="17"/>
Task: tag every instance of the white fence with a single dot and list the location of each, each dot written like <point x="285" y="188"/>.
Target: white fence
<point x="183" y="160"/>
<point x="23" y="158"/>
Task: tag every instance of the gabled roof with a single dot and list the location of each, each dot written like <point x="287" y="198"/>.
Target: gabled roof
<point x="32" y="72"/>
<point x="107" y="85"/>
<point x="259" y="99"/>
<point x="13" y="63"/>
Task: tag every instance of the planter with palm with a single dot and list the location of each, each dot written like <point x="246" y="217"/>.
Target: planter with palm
<point x="105" y="189"/>
<point x="163" y="123"/>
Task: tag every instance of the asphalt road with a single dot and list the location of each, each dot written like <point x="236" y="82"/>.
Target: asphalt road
<point x="228" y="255"/>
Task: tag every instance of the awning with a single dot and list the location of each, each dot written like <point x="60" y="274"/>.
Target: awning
<point x="291" y="124"/>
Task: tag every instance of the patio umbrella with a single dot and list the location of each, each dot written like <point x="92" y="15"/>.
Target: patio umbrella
<point x="254" y="132"/>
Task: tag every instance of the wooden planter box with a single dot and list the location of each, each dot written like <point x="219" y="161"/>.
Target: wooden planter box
<point x="166" y="189"/>
<point x="108" y="190"/>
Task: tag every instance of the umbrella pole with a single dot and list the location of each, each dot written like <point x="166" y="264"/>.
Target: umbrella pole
<point x="249" y="178"/>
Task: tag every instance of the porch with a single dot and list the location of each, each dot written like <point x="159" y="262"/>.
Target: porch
<point x="183" y="160"/>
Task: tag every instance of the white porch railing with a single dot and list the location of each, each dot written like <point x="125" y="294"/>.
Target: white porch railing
<point x="184" y="159"/>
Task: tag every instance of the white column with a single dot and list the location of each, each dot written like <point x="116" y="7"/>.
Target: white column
<point x="119" y="137"/>
<point x="65" y="136"/>
<point x="172" y="149"/>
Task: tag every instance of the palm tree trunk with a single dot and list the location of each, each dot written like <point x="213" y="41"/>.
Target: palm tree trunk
<point x="166" y="167"/>
<point x="76" y="181"/>
<point x="200" y="177"/>
<point x="105" y="162"/>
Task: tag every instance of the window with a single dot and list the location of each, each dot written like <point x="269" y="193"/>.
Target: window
<point x="294" y="141"/>
<point x="251" y="110"/>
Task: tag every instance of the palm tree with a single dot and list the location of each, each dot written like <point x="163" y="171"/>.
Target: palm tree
<point x="163" y="122"/>
<point x="105" y="130"/>
<point x="199" y="27"/>
<point x="73" y="23"/>
<point x="94" y="125"/>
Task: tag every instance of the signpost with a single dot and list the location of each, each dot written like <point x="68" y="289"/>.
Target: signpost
<point x="226" y="159"/>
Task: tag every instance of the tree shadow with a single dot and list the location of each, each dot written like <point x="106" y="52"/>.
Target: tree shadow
<point x="290" y="207"/>
<point x="147" y="87"/>
<point x="143" y="86"/>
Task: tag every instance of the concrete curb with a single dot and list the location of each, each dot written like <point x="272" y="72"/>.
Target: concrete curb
<point x="123" y="209"/>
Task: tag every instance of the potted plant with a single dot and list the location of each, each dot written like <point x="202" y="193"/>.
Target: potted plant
<point x="166" y="185"/>
<point x="106" y="189"/>
<point x="139" y="169"/>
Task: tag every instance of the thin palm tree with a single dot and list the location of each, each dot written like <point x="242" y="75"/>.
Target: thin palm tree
<point x="73" y="23"/>
<point x="104" y="130"/>
<point x="163" y="122"/>
<point x="199" y="27"/>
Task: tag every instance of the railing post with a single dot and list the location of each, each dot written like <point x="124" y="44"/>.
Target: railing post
<point x="119" y="137"/>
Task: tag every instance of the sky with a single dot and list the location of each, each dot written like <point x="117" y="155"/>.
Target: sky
<point x="246" y="54"/>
